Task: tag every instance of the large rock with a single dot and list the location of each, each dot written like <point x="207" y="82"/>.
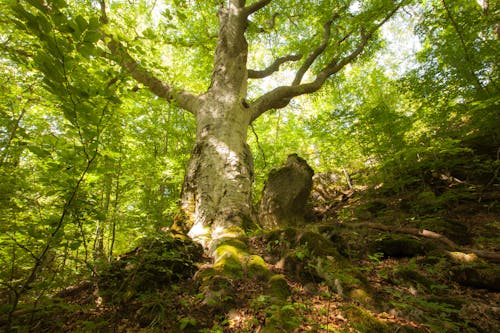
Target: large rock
<point x="285" y="194"/>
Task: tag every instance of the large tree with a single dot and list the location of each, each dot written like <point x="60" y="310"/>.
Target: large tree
<point x="313" y="39"/>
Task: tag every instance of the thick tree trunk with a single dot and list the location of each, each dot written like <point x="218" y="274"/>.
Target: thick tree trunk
<point x="216" y="198"/>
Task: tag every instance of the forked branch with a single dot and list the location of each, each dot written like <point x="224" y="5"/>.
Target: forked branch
<point x="314" y="54"/>
<point x="281" y="96"/>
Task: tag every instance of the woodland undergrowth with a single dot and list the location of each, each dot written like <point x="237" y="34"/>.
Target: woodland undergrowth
<point x="362" y="263"/>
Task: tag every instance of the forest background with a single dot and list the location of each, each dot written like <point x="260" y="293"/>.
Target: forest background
<point x="91" y="162"/>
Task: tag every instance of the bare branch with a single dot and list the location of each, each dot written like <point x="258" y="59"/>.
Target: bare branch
<point x="249" y="10"/>
<point x="183" y="98"/>
<point x="274" y="67"/>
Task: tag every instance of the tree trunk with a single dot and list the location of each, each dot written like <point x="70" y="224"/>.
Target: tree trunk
<point x="216" y="196"/>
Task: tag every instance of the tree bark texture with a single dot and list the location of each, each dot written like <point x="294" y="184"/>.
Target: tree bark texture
<point x="216" y="198"/>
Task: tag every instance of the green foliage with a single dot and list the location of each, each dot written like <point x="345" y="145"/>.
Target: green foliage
<point x="186" y="322"/>
<point x="91" y="162"/>
<point x="87" y="162"/>
<point x="280" y="316"/>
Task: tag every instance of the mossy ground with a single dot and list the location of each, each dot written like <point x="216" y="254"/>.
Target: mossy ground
<point x="323" y="277"/>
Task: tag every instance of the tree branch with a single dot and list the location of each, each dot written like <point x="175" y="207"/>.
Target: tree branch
<point x="162" y="89"/>
<point x="249" y="10"/>
<point x="314" y="54"/>
<point x="281" y="96"/>
<point x="274" y="67"/>
<point x="238" y="3"/>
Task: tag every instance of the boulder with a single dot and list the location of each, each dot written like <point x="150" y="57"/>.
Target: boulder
<point x="285" y="194"/>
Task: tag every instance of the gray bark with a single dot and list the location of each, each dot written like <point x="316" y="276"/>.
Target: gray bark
<point x="216" y="198"/>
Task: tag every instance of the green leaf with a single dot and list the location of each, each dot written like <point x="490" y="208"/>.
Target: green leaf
<point x="94" y="23"/>
<point x="44" y="23"/>
<point x="74" y="29"/>
<point x="38" y="151"/>
<point x="59" y="3"/>
<point x="81" y="22"/>
<point x="40" y="5"/>
<point x="86" y="50"/>
<point x="92" y="36"/>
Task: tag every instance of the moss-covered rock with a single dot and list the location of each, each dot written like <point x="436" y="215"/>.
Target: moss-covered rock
<point x="294" y="265"/>
<point x="405" y="275"/>
<point x="310" y="242"/>
<point x="317" y="244"/>
<point x="218" y="291"/>
<point x="399" y="246"/>
<point x="282" y="317"/>
<point x="229" y="264"/>
<point x="229" y="256"/>
<point x="361" y="296"/>
<point x="363" y="320"/>
<point x="285" y="194"/>
<point x="278" y="287"/>
<point x="256" y="267"/>
<point x="454" y="230"/>
<point x="156" y="263"/>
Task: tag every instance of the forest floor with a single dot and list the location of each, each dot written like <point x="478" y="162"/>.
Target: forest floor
<point x="362" y="263"/>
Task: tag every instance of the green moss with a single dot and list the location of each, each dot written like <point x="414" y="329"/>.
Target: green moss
<point x="158" y="262"/>
<point x="287" y="234"/>
<point x="363" y="320"/>
<point x="478" y="276"/>
<point x="398" y="246"/>
<point x="317" y="244"/>
<point x="404" y="275"/>
<point x="218" y="291"/>
<point x="426" y="202"/>
<point x="237" y="243"/>
<point x="257" y="267"/>
<point x="283" y="318"/>
<point x="361" y="296"/>
<point x="233" y="232"/>
<point x="229" y="264"/>
<point x="278" y="287"/>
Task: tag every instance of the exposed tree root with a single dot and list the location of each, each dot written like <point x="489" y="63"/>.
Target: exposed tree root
<point x="487" y="255"/>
